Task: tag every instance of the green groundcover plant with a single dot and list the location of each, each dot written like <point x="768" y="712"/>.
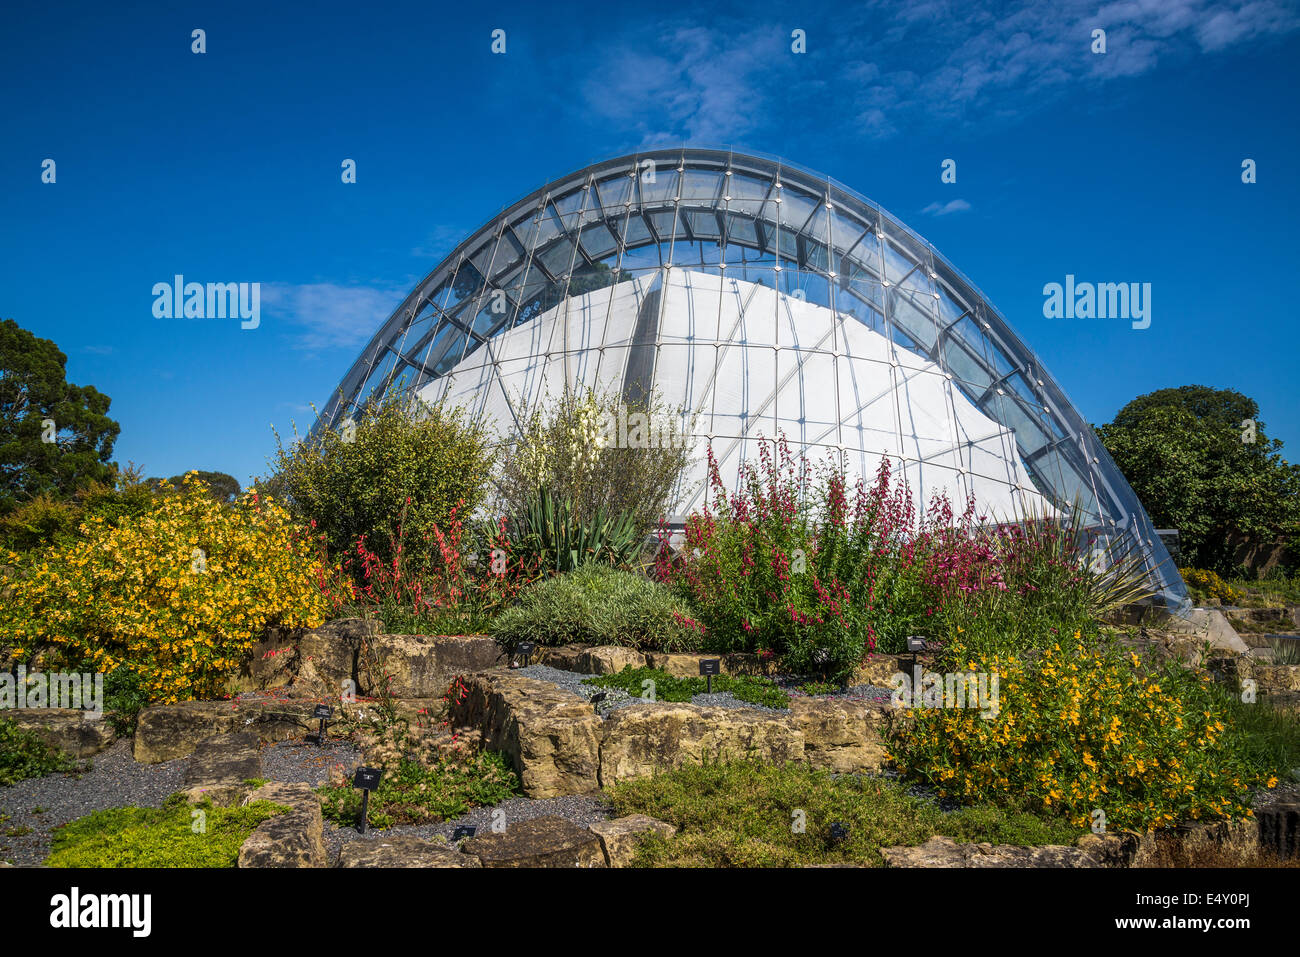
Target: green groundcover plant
<point x="417" y="793"/>
<point x="178" y="834"/>
<point x="599" y="605"/>
<point x="752" y="688"/>
<point x="24" y="754"/>
<point x="753" y="814"/>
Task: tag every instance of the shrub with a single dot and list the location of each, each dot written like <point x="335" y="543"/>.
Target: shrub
<point x="24" y="754"/>
<point x="575" y="449"/>
<point x="751" y="688"/>
<point x="449" y="590"/>
<point x="598" y="605"/>
<point x="799" y="564"/>
<point x="46" y="521"/>
<point x="405" y="464"/>
<point x="1206" y="585"/>
<point x="1078" y="729"/>
<point x="159" y="837"/>
<point x="743" y="815"/>
<point x="178" y="595"/>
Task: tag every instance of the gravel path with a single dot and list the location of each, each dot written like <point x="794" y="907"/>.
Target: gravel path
<point x="114" y="780"/>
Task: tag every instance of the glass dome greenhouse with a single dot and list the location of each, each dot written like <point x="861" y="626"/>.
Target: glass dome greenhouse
<point x="762" y="299"/>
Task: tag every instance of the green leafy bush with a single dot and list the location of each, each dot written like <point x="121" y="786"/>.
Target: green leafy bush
<point x="416" y="793"/>
<point x="598" y="605"/>
<point x="169" y="836"/>
<point x="24" y="754"/>
<point x="396" y="473"/>
<point x="751" y="688"/>
<point x="745" y="814"/>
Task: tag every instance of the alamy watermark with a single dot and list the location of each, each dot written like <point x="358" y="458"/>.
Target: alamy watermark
<point x="214" y="300"/>
<point x="639" y="430"/>
<point x="55" y="689"/>
<point x="931" y="689"/>
<point x="1102" y="300"/>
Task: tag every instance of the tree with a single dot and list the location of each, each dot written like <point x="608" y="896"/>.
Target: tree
<point x="1200" y="461"/>
<point x="224" y="488"/>
<point x="397" y="471"/>
<point x="55" y="437"/>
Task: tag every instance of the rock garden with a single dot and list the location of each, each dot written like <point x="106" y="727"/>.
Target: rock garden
<point x="400" y="651"/>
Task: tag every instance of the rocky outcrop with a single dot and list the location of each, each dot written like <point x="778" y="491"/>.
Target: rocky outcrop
<point x="648" y="738"/>
<point x="79" y="733"/>
<point x="220" y="767"/>
<point x="419" y="666"/>
<point x="305" y="662"/>
<point x="403" y="851"/>
<point x="171" y="731"/>
<point x="609" y="659"/>
<point x="293" y="839"/>
<point x="841" y="735"/>
<point x="551" y="735"/>
<point x="945" y="852"/>
<point x="540" y="842"/>
<point x="620" y="838"/>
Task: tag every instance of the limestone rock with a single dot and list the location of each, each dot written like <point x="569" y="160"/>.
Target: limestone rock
<point x="1278" y="816"/>
<point x="220" y="766"/>
<point x="171" y="731"/>
<point x="1274" y="678"/>
<point x="879" y="669"/>
<point x="79" y="733"/>
<point x="403" y="851"/>
<point x="1113" y="849"/>
<point x="620" y="837"/>
<point x="293" y="839"/>
<point x="945" y="852"/>
<point x="609" y="659"/>
<point x="841" y="735"/>
<point x="551" y="735"/>
<point x="564" y="657"/>
<point x="420" y="666"/>
<point x="540" y="842"/>
<point x="643" y="739"/>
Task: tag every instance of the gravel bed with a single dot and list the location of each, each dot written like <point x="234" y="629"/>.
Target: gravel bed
<point x="114" y="780"/>
<point x="580" y="809"/>
<point x="306" y="762"/>
<point x="617" y="698"/>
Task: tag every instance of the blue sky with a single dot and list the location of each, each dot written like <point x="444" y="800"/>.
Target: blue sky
<point x="225" y="167"/>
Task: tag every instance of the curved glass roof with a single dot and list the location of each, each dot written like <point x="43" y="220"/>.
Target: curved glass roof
<point x="759" y="220"/>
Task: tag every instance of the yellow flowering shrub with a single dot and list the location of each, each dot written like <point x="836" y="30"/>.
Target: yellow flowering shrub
<point x="1076" y="731"/>
<point x="1208" y="584"/>
<point x="177" y="595"/>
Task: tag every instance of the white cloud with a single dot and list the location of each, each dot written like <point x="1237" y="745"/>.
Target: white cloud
<point x="328" y="315"/>
<point x="943" y="209"/>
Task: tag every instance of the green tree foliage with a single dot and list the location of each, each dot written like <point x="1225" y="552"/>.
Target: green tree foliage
<point x="1200" y="461"/>
<point x="403" y="464"/>
<point x="224" y="488"/>
<point x="34" y="389"/>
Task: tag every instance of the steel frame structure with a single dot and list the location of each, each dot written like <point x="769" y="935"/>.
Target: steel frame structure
<point x="749" y="216"/>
